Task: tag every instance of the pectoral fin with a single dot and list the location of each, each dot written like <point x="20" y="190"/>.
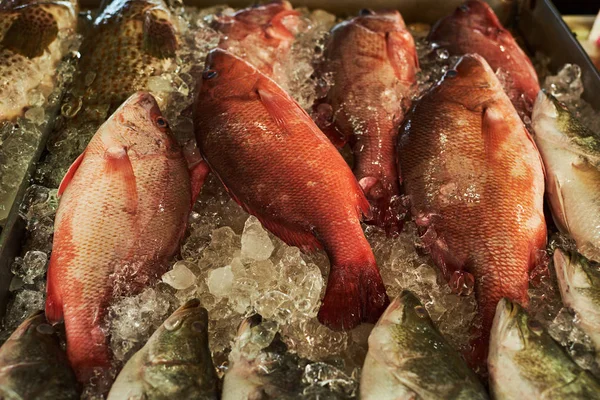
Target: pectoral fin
<point x="160" y="39"/>
<point x="31" y="32"/>
<point x="119" y="170"/>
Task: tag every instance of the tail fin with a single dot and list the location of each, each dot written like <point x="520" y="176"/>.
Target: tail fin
<point x="354" y="294"/>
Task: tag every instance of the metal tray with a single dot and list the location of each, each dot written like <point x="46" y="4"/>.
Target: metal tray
<point x="537" y="21"/>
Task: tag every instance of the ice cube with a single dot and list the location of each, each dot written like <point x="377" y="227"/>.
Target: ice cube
<point x="36" y="115"/>
<point x="34" y="265"/>
<point x="180" y="277"/>
<point x="220" y="281"/>
<point x="25" y="303"/>
<point x="256" y="244"/>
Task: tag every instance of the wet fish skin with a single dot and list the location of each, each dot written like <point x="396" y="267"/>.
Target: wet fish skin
<point x="33" y="365"/>
<point x="249" y="131"/>
<point x="571" y="155"/>
<point x="475" y="28"/>
<point x="475" y="183"/>
<point x="373" y="63"/>
<point x="174" y="363"/>
<point x="260" y="365"/>
<point x="30" y="49"/>
<point x="123" y="211"/>
<point x="579" y="284"/>
<point x="526" y="363"/>
<point x="129" y="41"/>
<point x="408" y="358"/>
<point x="261" y="34"/>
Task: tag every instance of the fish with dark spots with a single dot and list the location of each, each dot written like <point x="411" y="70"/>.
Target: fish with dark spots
<point x="475" y="28"/>
<point x="372" y="62"/>
<point x="30" y="49"/>
<point x="475" y="182"/>
<point x="123" y="209"/>
<point x="129" y="41"/>
<point x="280" y="167"/>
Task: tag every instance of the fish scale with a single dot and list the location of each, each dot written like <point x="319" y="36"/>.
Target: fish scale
<point x="122" y="213"/>
<point x="130" y="41"/>
<point x="280" y="167"/>
<point x="373" y="63"/>
<point x="475" y="182"/>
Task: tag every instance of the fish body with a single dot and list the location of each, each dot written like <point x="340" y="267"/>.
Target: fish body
<point x="33" y="365"/>
<point x="123" y="210"/>
<point x="526" y="363"/>
<point x="373" y="63"/>
<point x="261" y="34"/>
<point x="571" y="155"/>
<point x="174" y="363"/>
<point x="475" y="28"/>
<point x="408" y="358"/>
<point x="31" y="47"/>
<point x="260" y="366"/>
<point x="475" y="183"/>
<point x="281" y="168"/>
<point x="579" y="283"/>
<point x="130" y="41"/>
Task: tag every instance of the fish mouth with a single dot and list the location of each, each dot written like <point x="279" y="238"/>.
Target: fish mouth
<point x="544" y="106"/>
<point x="506" y="330"/>
<point x="249" y="323"/>
<point x="190" y="304"/>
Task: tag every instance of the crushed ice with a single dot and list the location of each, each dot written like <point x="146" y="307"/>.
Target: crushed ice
<point x="236" y="268"/>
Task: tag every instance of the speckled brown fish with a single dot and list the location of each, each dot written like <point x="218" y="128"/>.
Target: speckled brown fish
<point x="123" y="210"/>
<point x="281" y="168"/>
<point x="261" y="34"/>
<point x="130" y="40"/>
<point x="475" y="28"/>
<point x="476" y="188"/>
<point x="31" y="48"/>
<point x="372" y="62"/>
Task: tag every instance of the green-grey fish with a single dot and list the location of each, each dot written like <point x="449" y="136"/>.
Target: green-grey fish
<point x="175" y="363"/>
<point x="408" y="358"/>
<point x="579" y="283"/>
<point x="571" y="154"/>
<point x="524" y="362"/>
<point x="33" y="365"/>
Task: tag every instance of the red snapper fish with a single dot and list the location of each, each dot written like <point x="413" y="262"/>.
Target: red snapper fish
<point x="373" y="62"/>
<point x="123" y="210"/>
<point x="280" y="167"/>
<point x="475" y="28"/>
<point x="262" y="35"/>
<point x="476" y="186"/>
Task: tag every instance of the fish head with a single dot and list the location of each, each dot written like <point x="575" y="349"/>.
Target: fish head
<point x="381" y="21"/>
<point x="403" y="317"/>
<point x="477" y="13"/>
<point x="577" y="274"/>
<point x="553" y="122"/>
<point x="227" y="76"/>
<point x="139" y="126"/>
<point x="471" y="82"/>
<point x="183" y="336"/>
<point x="515" y="331"/>
<point x="276" y="20"/>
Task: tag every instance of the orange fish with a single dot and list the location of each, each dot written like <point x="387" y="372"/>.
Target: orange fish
<point x="123" y="210"/>
<point x="475" y="28"/>
<point x="476" y="187"/>
<point x="262" y="35"/>
<point x="373" y="62"/>
<point x="281" y="168"/>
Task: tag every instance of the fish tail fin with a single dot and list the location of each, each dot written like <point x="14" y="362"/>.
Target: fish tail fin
<point x="87" y="346"/>
<point x="355" y="293"/>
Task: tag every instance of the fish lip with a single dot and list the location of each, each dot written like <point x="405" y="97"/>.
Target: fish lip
<point x="190" y="304"/>
<point x="249" y="323"/>
<point x="544" y="106"/>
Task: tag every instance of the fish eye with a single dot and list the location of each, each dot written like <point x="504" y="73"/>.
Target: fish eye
<point x="365" y="12"/>
<point x="535" y="326"/>
<point x="162" y="123"/>
<point x="451" y="73"/>
<point x="209" y="74"/>
<point x="421" y="311"/>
